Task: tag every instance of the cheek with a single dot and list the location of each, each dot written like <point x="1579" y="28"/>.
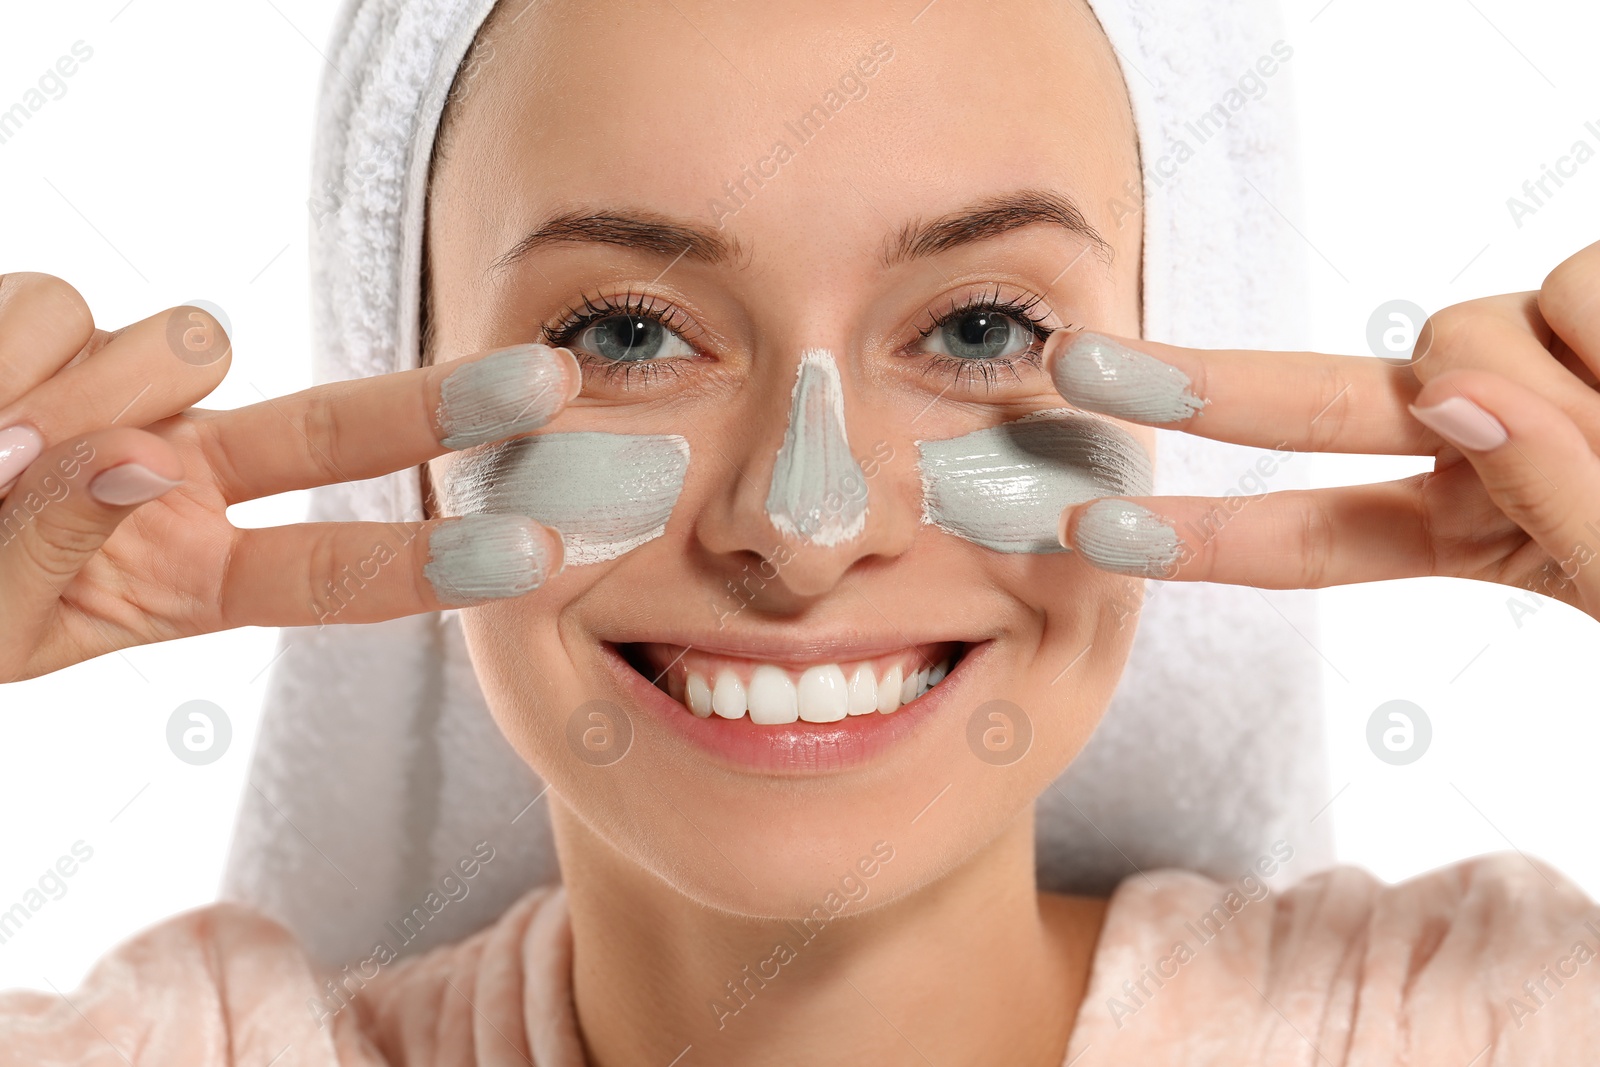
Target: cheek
<point x="606" y="493"/>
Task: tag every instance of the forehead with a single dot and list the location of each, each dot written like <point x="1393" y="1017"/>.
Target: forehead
<point x="767" y="119"/>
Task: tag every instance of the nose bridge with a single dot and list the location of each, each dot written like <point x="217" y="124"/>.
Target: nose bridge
<point x="804" y="497"/>
<point x="818" y="491"/>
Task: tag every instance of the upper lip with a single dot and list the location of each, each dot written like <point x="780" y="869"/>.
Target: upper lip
<point x="800" y="649"/>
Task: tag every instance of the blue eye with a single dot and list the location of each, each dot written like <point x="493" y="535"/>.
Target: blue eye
<point x="981" y="333"/>
<point x="623" y="335"/>
<point x="985" y="329"/>
<point x="625" y="338"/>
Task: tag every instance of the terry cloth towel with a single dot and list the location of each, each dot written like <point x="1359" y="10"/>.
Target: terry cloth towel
<point x="378" y="766"/>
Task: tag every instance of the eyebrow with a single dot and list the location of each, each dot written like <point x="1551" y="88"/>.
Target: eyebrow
<point x="660" y="235"/>
<point x="992" y="217"/>
<point x="640" y="230"/>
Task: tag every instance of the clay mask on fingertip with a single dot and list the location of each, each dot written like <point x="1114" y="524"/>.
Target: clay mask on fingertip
<point x="485" y="557"/>
<point x="1127" y="538"/>
<point x="818" y="492"/>
<point x="515" y="390"/>
<point x="1005" y="487"/>
<point x="1096" y="373"/>
<point x="605" y="493"/>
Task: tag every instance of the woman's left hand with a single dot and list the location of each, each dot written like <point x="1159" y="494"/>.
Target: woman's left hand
<point x="1501" y="391"/>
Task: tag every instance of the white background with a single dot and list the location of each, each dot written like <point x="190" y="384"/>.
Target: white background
<point x="176" y="167"/>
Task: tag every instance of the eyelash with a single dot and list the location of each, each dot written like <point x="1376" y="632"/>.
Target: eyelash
<point x="576" y="318"/>
<point x="1025" y="311"/>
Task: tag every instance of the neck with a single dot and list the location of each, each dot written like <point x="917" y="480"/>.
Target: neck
<point x="944" y="972"/>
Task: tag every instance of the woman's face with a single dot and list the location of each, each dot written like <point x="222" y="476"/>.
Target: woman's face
<point x="737" y="184"/>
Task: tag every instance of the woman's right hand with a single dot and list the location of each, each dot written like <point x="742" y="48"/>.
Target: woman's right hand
<point x="114" y="490"/>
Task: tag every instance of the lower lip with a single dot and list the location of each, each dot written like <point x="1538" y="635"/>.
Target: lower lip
<point x="797" y="748"/>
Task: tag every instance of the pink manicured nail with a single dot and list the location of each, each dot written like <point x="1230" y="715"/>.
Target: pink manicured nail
<point x="128" y="483"/>
<point x="19" y="446"/>
<point x="1462" y="423"/>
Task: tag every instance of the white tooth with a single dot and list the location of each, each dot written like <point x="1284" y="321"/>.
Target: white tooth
<point x="772" y="697"/>
<point x="908" y="688"/>
<point x="699" y="695"/>
<point x="922" y="681"/>
<point x="863" y="692"/>
<point x="727" y="699"/>
<point x="889" y="690"/>
<point x="823" y="694"/>
<point x="937" y="675"/>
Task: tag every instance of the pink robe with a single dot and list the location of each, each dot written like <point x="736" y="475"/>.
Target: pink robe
<point x="1491" y="962"/>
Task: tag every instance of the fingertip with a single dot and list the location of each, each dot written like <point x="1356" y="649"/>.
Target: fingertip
<point x="129" y="484"/>
<point x="1462" y="423"/>
<point x="574" y="372"/>
<point x="477" y="558"/>
<point x="1064" y="527"/>
<point x="503" y="393"/>
<point x="1123" y="536"/>
<point x="557" y="554"/>
<point x="1460" y="406"/>
<point x="1054" y="346"/>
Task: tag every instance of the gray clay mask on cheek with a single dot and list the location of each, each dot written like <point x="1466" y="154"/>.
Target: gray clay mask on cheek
<point x="605" y="493"/>
<point x="1005" y="487"/>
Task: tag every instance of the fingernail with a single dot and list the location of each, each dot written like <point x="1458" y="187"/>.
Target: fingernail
<point x="128" y="483"/>
<point x="1096" y="373"/>
<point x="19" y="446"/>
<point x="487" y="557"/>
<point x="1126" y="538"/>
<point x="1462" y="423"/>
<point x="508" y="392"/>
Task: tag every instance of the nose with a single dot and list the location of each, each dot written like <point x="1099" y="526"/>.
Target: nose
<point x="813" y="489"/>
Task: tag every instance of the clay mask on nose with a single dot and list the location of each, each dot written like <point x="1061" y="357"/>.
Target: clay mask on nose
<point x="606" y="493"/>
<point x="1005" y="487"/>
<point x="818" y="491"/>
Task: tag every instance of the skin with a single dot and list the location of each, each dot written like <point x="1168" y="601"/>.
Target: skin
<point x="650" y="899"/>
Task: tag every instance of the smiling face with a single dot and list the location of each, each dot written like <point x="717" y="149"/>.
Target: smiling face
<point x="696" y="199"/>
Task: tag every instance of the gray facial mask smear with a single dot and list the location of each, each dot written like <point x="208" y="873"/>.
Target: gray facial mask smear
<point x="818" y="490"/>
<point x="605" y="493"/>
<point x="1005" y="487"/>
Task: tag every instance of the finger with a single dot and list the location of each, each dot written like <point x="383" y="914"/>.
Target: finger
<point x="44" y="322"/>
<point x="64" y="507"/>
<point x="348" y="431"/>
<point x="1534" y="462"/>
<point x="355" y="572"/>
<point x="1290" y="539"/>
<point x="146" y="372"/>
<point x="1507" y="336"/>
<point x="1304" y="401"/>
<point x="1569" y="301"/>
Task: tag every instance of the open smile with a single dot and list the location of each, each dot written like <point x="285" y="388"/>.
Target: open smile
<point x="778" y="714"/>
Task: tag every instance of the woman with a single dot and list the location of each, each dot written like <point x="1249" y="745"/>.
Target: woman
<point x="782" y="388"/>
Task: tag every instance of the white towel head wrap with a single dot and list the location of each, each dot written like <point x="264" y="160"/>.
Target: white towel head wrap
<point x="378" y="765"/>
